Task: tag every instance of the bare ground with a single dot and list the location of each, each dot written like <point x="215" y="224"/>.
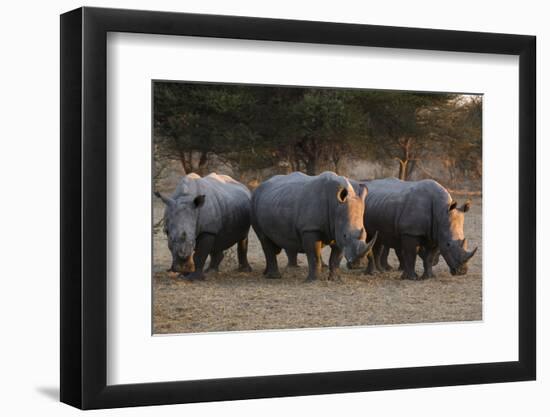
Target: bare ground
<point x="230" y="300"/>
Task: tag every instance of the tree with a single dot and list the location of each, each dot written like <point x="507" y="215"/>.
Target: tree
<point x="195" y="121"/>
<point x="457" y="128"/>
<point x="255" y="127"/>
<point x="311" y="129"/>
<point x="322" y="127"/>
<point x="395" y="126"/>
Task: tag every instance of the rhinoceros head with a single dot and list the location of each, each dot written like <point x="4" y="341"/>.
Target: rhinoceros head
<point x="452" y="244"/>
<point x="350" y="234"/>
<point x="180" y="225"/>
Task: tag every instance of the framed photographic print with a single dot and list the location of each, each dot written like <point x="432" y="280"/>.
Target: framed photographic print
<point x="257" y="208"/>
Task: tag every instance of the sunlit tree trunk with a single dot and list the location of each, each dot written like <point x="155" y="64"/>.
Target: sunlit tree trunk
<point x="406" y="162"/>
<point x="402" y="169"/>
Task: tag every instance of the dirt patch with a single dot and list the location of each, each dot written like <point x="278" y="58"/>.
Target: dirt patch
<point x="230" y="300"/>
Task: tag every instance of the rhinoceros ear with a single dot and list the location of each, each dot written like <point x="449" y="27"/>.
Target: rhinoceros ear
<point x="466" y="206"/>
<point x="199" y="200"/>
<point x="453" y="205"/>
<point x="166" y="200"/>
<point x="363" y="191"/>
<point x="342" y="194"/>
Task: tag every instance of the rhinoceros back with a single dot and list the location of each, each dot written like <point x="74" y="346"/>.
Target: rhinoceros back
<point x="285" y="206"/>
<point x="226" y="210"/>
<point x="395" y="207"/>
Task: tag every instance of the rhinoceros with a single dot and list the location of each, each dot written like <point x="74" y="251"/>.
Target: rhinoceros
<point x="205" y="216"/>
<point x="409" y="215"/>
<point x="301" y="213"/>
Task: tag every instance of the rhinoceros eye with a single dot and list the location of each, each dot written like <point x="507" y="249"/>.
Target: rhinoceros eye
<point x="183" y="235"/>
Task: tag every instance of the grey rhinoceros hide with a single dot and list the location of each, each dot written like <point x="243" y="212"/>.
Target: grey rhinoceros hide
<point x="295" y="211"/>
<point x="421" y="212"/>
<point x="216" y="206"/>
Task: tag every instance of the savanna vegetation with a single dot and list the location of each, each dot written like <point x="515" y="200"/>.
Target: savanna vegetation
<point x="254" y="131"/>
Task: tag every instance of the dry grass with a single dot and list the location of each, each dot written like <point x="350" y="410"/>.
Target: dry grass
<point x="231" y="300"/>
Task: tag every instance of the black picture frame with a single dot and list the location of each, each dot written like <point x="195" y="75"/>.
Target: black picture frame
<point x="84" y="207"/>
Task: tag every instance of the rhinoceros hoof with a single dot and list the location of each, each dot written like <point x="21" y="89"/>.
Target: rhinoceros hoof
<point x="273" y="274"/>
<point x="426" y="276"/>
<point x="289" y="265"/>
<point x="244" y="268"/>
<point x="412" y="277"/>
<point x="193" y="276"/>
<point x="310" y="279"/>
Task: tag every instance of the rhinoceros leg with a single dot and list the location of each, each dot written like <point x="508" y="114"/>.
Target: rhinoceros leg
<point x="428" y="256"/>
<point x="399" y="257"/>
<point x="203" y="247"/>
<point x="270" y="253"/>
<point x="292" y="257"/>
<point x="436" y="257"/>
<point x="373" y="259"/>
<point x="334" y="262"/>
<point x="215" y="261"/>
<point x="369" y="270"/>
<point x="242" y="251"/>
<point x="377" y="252"/>
<point x="312" y="246"/>
<point x="384" y="259"/>
<point x="408" y="255"/>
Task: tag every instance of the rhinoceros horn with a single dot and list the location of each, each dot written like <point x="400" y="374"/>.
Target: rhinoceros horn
<point x="167" y="200"/>
<point x="468" y="255"/>
<point x="370" y="244"/>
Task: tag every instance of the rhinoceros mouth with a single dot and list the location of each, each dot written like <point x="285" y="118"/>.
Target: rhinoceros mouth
<point x="354" y="265"/>
<point x="183" y="265"/>
<point x="461" y="270"/>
